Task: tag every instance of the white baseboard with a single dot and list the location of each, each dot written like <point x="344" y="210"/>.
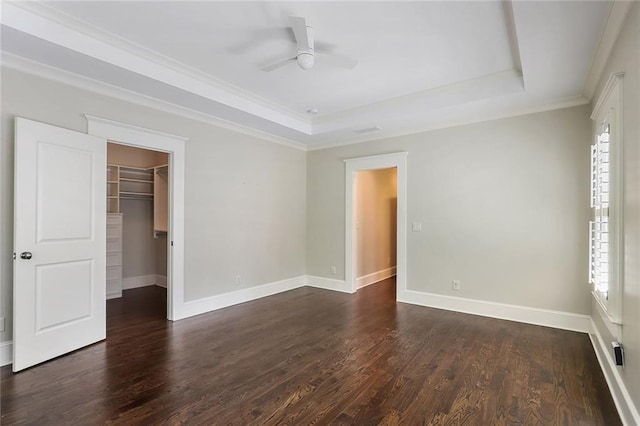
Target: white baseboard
<point x="161" y="281"/>
<point x="626" y="409"/>
<point x="6" y="353"/>
<point x="139" y="281"/>
<point x="114" y="295"/>
<point x="375" y="277"/>
<point x="545" y="317"/>
<point x="327" y="283"/>
<point x="201" y="306"/>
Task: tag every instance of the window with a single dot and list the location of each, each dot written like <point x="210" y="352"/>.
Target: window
<point x="599" y="225"/>
<point x="605" y="227"/>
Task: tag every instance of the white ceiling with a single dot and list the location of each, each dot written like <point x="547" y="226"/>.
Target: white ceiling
<point x="420" y="64"/>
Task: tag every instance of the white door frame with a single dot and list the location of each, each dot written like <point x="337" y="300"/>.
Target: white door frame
<point x="353" y="166"/>
<point x="135" y="136"/>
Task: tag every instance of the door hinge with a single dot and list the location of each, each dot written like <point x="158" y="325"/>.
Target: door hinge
<point x="171" y="246"/>
<point x="14" y="255"/>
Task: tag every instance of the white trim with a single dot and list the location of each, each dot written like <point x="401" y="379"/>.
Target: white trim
<point x="161" y="281"/>
<point x="613" y="86"/>
<point x="354" y="165"/>
<point x="608" y="38"/>
<point x="327" y="284"/>
<point x="38" y="69"/>
<point x="118" y="129"/>
<point x="174" y="145"/>
<point x="525" y="314"/>
<point x="6" y="353"/>
<point x="139" y="281"/>
<point x="614" y="328"/>
<point x="208" y="304"/>
<point x="375" y="277"/>
<point x="626" y="409"/>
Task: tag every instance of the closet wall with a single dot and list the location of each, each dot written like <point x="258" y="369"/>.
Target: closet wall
<point x="143" y="255"/>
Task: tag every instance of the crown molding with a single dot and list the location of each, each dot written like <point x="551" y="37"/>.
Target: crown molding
<point x="608" y="37"/>
<point x="39" y="20"/>
<point x="38" y="69"/>
<point x="473" y="119"/>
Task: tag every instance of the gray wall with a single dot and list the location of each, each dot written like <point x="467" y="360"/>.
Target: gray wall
<point x="244" y="197"/>
<point x="138" y="244"/>
<point x="504" y="209"/>
<point x="626" y="57"/>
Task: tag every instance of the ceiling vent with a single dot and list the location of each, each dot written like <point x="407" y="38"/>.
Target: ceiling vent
<point x="367" y="130"/>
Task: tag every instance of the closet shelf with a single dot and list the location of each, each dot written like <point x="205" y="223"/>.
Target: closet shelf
<point x="135" y="180"/>
<point x="136" y="194"/>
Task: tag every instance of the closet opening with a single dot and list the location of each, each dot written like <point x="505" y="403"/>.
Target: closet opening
<point x="137" y="230"/>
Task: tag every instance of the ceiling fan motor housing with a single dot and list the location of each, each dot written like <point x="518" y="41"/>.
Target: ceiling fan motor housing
<point x="305" y="59"/>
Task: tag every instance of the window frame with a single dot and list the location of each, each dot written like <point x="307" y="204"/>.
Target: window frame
<point x="608" y="112"/>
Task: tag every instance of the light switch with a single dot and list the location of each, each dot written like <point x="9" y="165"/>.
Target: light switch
<point x="416" y="226"/>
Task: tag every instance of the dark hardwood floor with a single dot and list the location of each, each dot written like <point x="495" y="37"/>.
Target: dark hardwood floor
<point x="314" y="356"/>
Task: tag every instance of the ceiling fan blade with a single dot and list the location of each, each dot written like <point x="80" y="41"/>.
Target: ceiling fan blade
<point x="276" y="65"/>
<point x="301" y="32"/>
<point x="338" y="60"/>
<point x="324" y="47"/>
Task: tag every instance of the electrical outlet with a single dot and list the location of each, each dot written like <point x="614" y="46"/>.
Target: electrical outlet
<point x="2" y="324"/>
<point x="333" y="270"/>
<point x="238" y="279"/>
<point x="455" y="285"/>
<point x="416" y="226"/>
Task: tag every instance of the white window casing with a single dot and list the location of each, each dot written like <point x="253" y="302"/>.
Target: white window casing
<point x="605" y="227"/>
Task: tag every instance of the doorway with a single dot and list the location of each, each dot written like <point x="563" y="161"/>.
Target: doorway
<point x="398" y="161"/>
<point x="174" y="146"/>
<point x="137" y="225"/>
<point x="375" y="212"/>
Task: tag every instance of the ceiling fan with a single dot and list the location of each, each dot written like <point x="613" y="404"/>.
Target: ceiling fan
<point x="306" y="50"/>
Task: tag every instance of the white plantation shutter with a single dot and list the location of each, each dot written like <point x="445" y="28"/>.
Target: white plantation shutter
<point x="599" y="226"/>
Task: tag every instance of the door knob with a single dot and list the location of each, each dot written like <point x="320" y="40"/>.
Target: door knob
<point x="26" y="255"/>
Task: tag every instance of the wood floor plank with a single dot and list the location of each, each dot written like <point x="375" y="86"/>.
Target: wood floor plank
<point x="312" y="356"/>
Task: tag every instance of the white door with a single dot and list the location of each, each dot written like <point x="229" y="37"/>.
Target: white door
<point x="59" y="242"/>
